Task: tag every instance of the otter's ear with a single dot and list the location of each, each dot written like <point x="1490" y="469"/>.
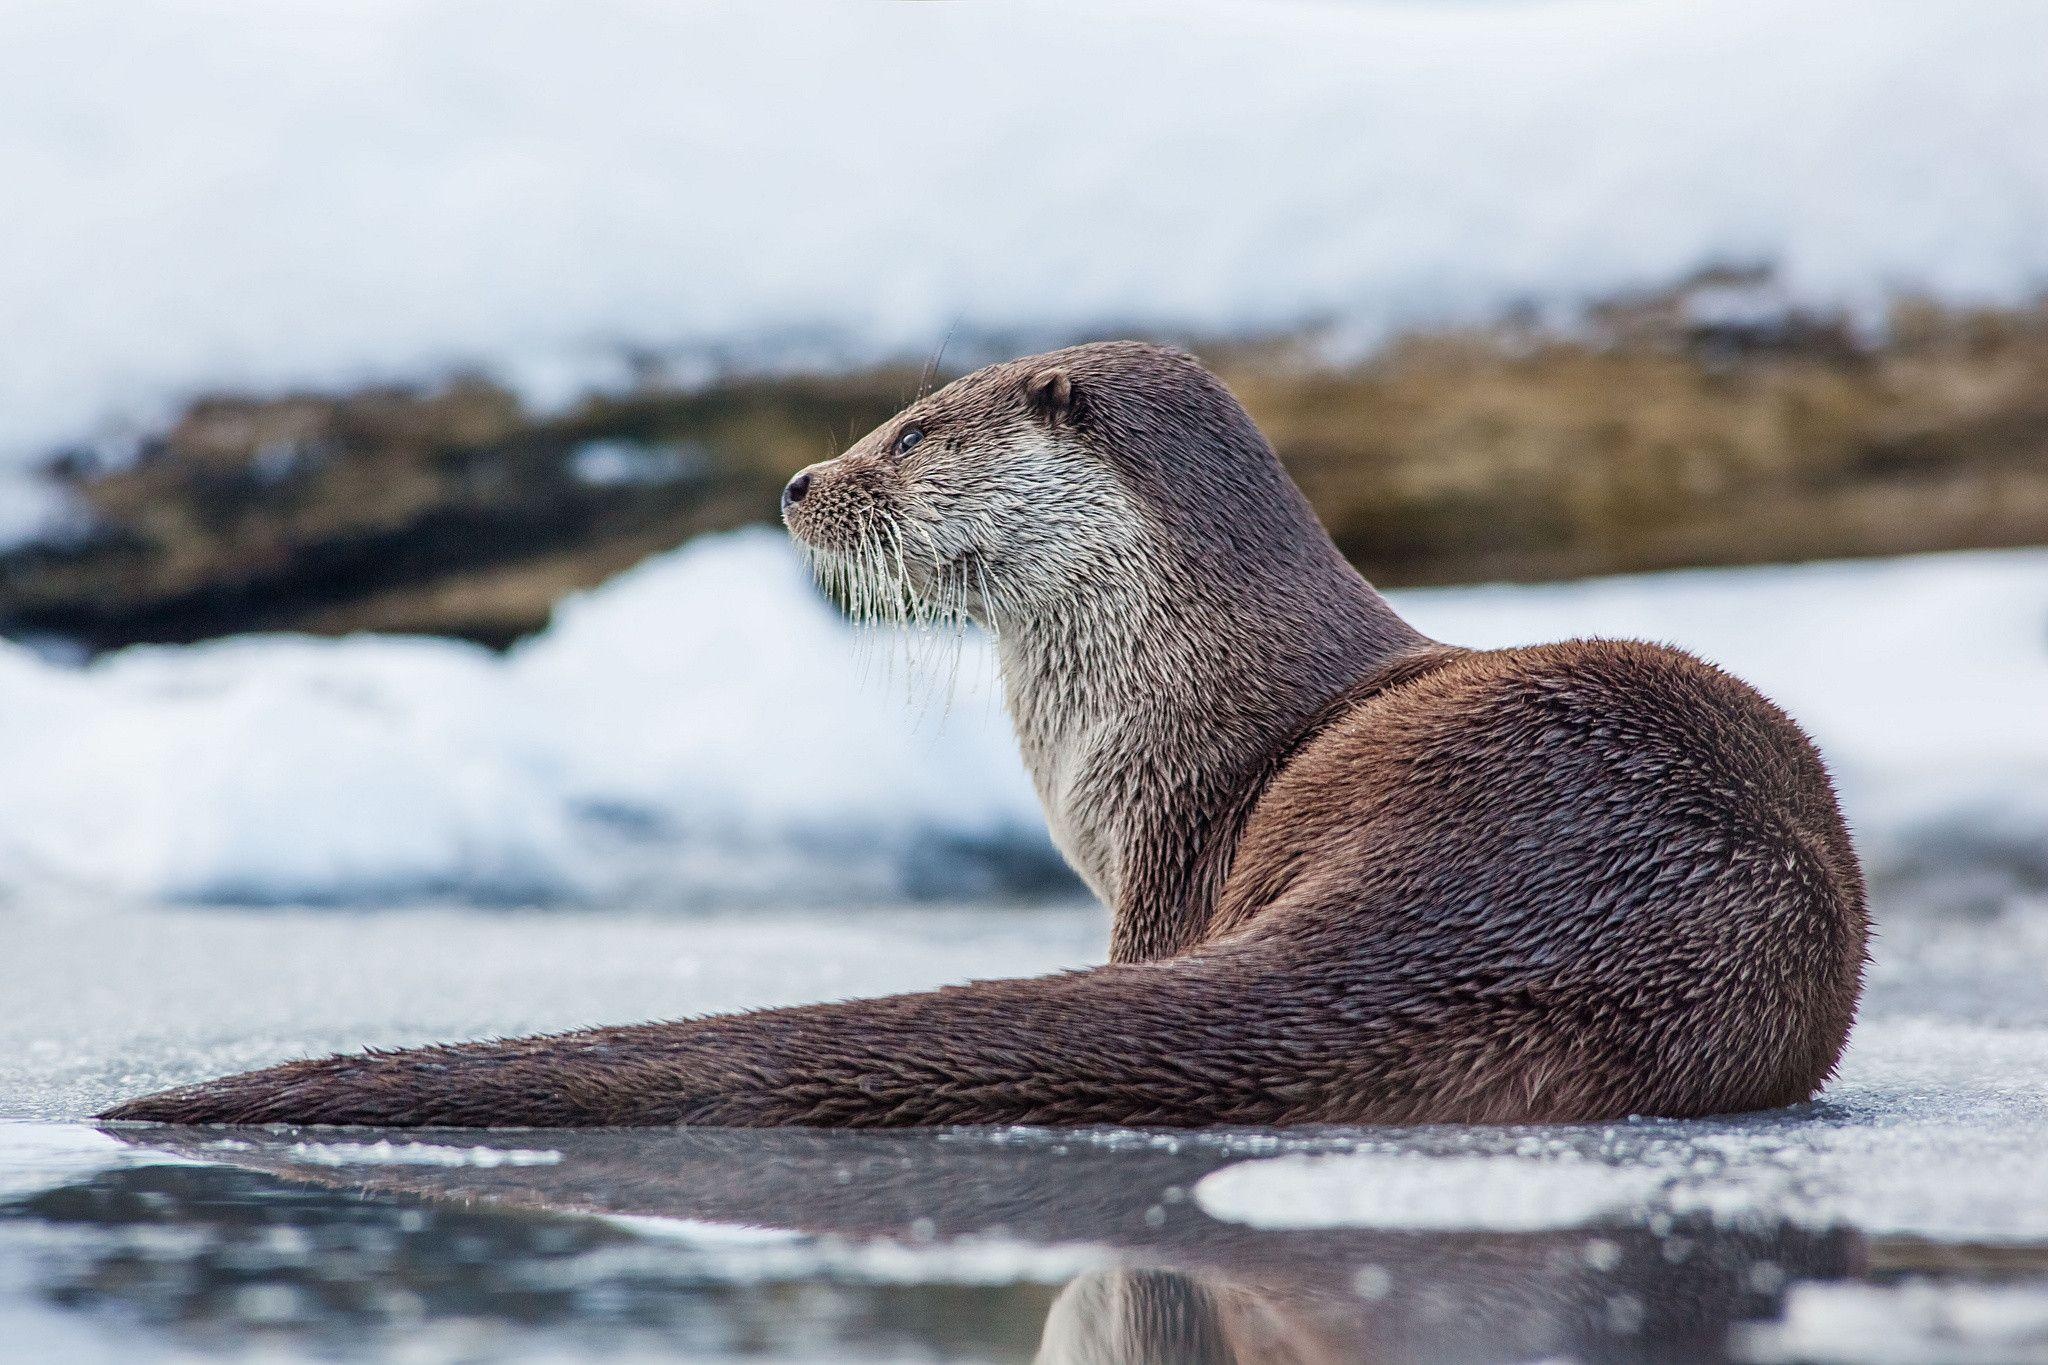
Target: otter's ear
<point x="1053" y="397"/>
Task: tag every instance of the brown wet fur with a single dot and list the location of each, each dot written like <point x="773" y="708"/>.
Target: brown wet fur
<point x="1357" y="876"/>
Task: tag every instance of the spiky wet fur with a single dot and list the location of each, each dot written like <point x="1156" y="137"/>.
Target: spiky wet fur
<point x="1355" y="875"/>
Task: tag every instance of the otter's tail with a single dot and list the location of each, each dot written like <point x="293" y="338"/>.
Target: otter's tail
<point x="1202" y="1039"/>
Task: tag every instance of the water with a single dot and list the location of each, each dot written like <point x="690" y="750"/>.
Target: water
<point x="1903" y="1217"/>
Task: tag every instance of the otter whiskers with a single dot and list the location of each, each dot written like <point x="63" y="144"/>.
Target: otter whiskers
<point x="923" y="609"/>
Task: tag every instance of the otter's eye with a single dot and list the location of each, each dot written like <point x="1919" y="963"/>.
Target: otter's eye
<point x="907" y="442"/>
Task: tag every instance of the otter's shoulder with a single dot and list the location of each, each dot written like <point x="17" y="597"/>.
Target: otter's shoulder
<point x="1573" y="678"/>
<point x="1623" y="702"/>
<point x="1622" y="688"/>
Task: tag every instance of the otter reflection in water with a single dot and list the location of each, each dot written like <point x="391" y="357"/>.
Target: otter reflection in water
<point x="1113" y="1317"/>
<point x="1174" y="1284"/>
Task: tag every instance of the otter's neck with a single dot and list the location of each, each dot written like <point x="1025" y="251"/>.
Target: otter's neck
<point x="1146" y="707"/>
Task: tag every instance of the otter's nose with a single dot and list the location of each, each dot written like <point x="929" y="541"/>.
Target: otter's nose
<point x="794" y="494"/>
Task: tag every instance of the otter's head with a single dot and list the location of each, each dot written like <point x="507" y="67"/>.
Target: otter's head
<point x="1038" y="482"/>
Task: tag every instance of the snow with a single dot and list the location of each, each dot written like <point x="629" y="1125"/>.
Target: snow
<point x="31" y="507"/>
<point x="203" y="193"/>
<point x="704" y="728"/>
<point x="697" y="728"/>
<point x="1413" y="1191"/>
<point x="1913" y="1323"/>
<point x="387" y="1153"/>
<point x="622" y="464"/>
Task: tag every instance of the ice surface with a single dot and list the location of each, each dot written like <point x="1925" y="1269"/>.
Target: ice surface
<point x="1929" y="1152"/>
<point x="36" y="1157"/>
<point x="153" y="997"/>
<point x="704" y="728"/>
<point x="1414" y="1190"/>
<point x="146" y="998"/>
<point x="203" y="194"/>
<point x="1935" y="1130"/>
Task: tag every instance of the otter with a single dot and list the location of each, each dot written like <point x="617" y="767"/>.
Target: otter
<point x="1357" y="876"/>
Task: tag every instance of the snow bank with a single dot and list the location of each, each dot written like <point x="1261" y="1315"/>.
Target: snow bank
<point x="207" y="193"/>
<point x="704" y="727"/>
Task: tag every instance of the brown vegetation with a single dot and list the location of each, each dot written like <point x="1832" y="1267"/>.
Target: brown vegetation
<point x="438" y="510"/>
<point x="1648" y="442"/>
<point x="1455" y="458"/>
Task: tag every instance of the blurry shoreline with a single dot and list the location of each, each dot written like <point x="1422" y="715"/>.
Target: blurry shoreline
<point x="1711" y="424"/>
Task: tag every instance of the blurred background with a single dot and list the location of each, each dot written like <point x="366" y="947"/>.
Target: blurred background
<point x="396" y="643"/>
<point x="378" y="358"/>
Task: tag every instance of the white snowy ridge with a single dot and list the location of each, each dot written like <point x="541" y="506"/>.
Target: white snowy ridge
<point x="705" y="728"/>
<point x="204" y="194"/>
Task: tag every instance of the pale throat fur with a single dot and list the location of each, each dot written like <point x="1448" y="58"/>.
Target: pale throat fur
<point x="1145" y="703"/>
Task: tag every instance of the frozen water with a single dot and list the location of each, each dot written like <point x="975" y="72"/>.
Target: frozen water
<point x="1916" y="1189"/>
<point x="1416" y="1190"/>
<point x="704" y="728"/>
<point x="173" y="992"/>
<point x="146" y="998"/>
<point x="41" y="1156"/>
<point x="1935" y="1130"/>
<point x="257" y="196"/>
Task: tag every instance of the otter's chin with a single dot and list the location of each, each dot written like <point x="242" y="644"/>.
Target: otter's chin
<point x="950" y="586"/>
<point x="805" y="534"/>
<point x="828" y="546"/>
